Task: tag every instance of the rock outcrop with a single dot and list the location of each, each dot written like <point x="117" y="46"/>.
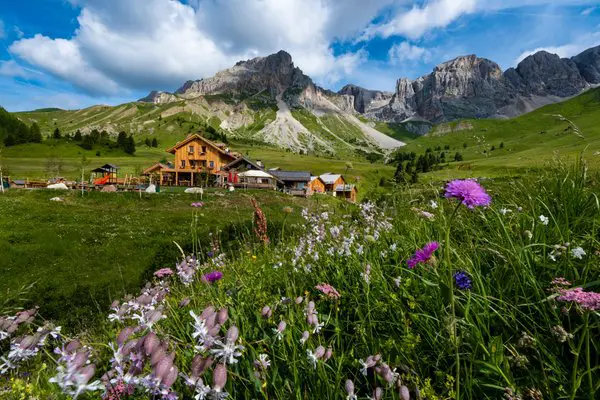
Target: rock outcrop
<point x="472" y="87"/>
<point x="365" y="100"/>
<point x="158" y="97"/>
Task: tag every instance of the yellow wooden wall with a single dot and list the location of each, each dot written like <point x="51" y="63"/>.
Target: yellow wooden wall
<point x="317" y="186"/>
<point x="211" y="154"/>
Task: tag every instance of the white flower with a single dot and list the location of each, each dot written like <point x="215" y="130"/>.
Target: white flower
<point x="433" y="204"/>
<point x="318" y="327"/>
<point x="227" y="352"/>
<point x="397" y="281"/>
<point x="505" y="211"/>
<point x="544" y="220"/>
<point x="578" y="252"/>
<point x="364" y="366"/>
<point x="312" y="358"/>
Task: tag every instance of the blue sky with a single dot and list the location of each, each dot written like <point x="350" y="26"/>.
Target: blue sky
<point x="76" y="53"/>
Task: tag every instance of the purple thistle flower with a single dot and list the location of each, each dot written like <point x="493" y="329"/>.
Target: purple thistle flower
<point x="462" y="280"/>
<point x="423" y="255"/>
<point x="469" y="192"/>
<point x="212" y="276"/>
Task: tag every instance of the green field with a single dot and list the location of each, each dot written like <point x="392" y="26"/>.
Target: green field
<point x="86" y="251"/>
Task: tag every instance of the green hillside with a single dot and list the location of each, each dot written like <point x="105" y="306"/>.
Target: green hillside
<point x="503" y="147"/>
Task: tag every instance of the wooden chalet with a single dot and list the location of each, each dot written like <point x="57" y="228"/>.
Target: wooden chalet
<point x="293" y="182"/>
<point x="196" y="159"/>
<point x="346" y="191"/>
<point x="331" y="181"/>
<point x="316" y="184"/>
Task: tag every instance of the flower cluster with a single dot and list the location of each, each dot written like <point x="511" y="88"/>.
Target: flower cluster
<point x="9" y="325"/>
<point x="328" y="290"/>
<point x="74" y="371"/>
<point x="587" y="300"/>
<point x="146" y="308"/>
<point x="387" y="374"/>
<point x="462" y="280"/>
<point x="26" y="347"/>
<point x="197" y="204"/>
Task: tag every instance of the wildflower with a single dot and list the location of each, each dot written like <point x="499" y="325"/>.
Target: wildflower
<point x="260" y="223"/>
<point x="279" y="330"/>
<point x="367" y="274"/>
<point x="197" y="204"/>
<point x="560" y="282"/>
<point x="561" y="334"/>
<point x="212" y="276"/>
<point x="370" y="362"/>
<point x="304" y="337"/>
<point x="163" y="272"/>
<point x="505" y="211"/>
<point x="287" y="209"/>
<point x="423" y="255"/>
<point x="262" y="362"/>
<point x="397" y="281"/>
<point x="526" y="340"/>
<point x="328" y="354"/>
<point x="328" y="290"/>
<point x="462" y="280"/>
<point x="312" y="358"/>
<point x="578" y="253"/>
<point x="228" y="351"/>
<point x="427" y="215"/>
<point x="266" y="312"/>
<point x="184" y="302"/>
<point x="349" y="386"/>
<point x="433" y="204"/>
<point x="544" y="220"/>
<point x="528" y="234"/>
<point x="587" y="300"/>
<point x="377" y="393"/>
<point x="469" y="192"/>
<point x="404" y="392"/>
<point x="299" y="300"/>
<point x="220" y="380"/>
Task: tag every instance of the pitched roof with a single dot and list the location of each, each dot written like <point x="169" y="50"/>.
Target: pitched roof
<point x="291" y="176"/>
<point x="329" y="178"/>
<point x="155" y="167"/>
<point x="194" y="136"/>
<point x="239" y="160"/>
<point x="106" y="168"/>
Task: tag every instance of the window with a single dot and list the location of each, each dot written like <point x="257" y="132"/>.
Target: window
<point x="182" y="163"/>
<point x="211" y="164"/>
<point x="203" y="149"/>
<point x="191" y="149"/>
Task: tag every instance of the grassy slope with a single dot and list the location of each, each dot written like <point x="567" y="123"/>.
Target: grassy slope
<point x="530" y="141"/>
<point x="93" y="249"/>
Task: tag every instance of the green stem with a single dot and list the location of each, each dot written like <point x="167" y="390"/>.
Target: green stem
<point x="587" y="355"/>
<point x="574" y="385"/>
<point x="452" y="305"/>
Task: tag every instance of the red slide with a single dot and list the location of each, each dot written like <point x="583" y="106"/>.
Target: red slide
<point x="102" y="181"/>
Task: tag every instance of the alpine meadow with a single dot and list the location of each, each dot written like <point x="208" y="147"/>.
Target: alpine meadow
<point x="309" y="199"/>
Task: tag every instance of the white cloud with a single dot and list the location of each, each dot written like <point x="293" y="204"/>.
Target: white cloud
<point x="566" y="50"/>
<point x="419" y="20"/>
<point x="588" y="11"/>
<point x="402" y="52"/>
<point x="159" y="44"/>
<point x="11" y="69"/>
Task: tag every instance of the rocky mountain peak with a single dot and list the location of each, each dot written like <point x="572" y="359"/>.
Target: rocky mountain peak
<point x="364" y="99"/>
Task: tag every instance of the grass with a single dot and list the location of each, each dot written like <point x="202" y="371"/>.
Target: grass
<point x="507" y="334"/>
<point x="529" y="142"/>
<point x="95" y="248"/>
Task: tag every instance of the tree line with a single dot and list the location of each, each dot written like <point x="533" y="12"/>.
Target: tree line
<point x="13" y="131"/>
<point x="409" y="165"/>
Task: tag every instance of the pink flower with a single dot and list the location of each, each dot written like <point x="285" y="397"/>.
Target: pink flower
<point x="469" y="192"/>
<point x="197" y="204"/>
<point x="212" y="276"/>
<point x="587" y="300"/>
<point x="328" y="290"/>
<point x="163" y="272"/>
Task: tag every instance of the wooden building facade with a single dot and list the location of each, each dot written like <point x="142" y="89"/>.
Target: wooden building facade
<point x="197" y="160"/>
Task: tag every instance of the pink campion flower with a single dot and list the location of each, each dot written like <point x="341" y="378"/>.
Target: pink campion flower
<point x="424" y="255"/>
<point x="163" y="272"/>
<point x="197" y="204"/>
<point x="587" y="300"/>
<point x="212" y="277"/>
<point x="328" y="290"/>
<point x="469" y="192"/>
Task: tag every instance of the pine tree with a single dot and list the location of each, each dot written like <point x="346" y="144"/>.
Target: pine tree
<point x="9" y="141"/>
<point x="88" y="142"/>
<point x="458" y="157"/>
<point x="129" y="145"/>
<point x="122" y="140"/>
<point x="35" y="135"/>
<point x="501" y="145"/>
<point x="399" y="174"/>
<point x="78" y="136"/>
<point x="154" y="142"/>
<point x="148" y="142"/>
<point x="56" y="134"/>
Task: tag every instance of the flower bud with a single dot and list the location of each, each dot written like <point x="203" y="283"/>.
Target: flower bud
<point x="232" y="334"/>
<point x="220" y="377"/>
<point x="404" y="393"/>
<point x="349" y="387"/>
<point x="266" y="312"/>
<point x="222" y="316"/>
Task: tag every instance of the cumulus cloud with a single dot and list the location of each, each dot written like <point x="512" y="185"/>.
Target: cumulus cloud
<point x="147" y="44"/>
<point x="566" y="50"/>
<point x="403" y="52"/>
<point x="418" y="20"/>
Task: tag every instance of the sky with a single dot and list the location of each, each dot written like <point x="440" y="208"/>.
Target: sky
<point x="77" y="53"/>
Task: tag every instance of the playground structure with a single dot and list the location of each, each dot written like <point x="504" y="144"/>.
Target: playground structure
<point x="109" y="175"/>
